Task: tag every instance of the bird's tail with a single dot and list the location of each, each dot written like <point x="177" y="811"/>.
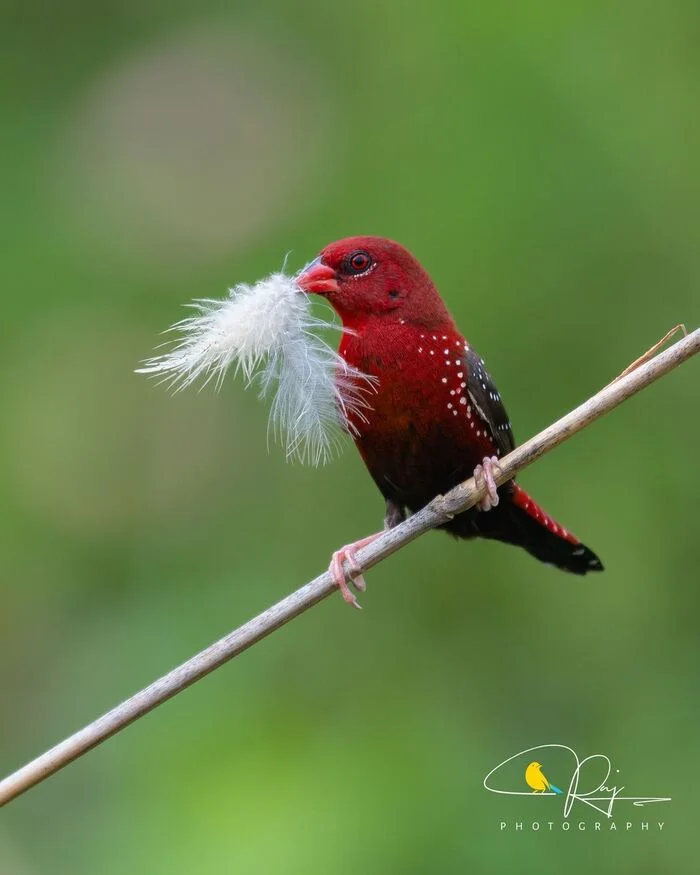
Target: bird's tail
<point x="556" y="789"/>
<point x="542" y="537"/>
<point x="520" y="520"/>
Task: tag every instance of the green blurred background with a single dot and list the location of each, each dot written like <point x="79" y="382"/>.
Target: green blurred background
<point x="542" y="161"/>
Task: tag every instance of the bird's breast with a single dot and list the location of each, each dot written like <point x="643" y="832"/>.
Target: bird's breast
<point x="421" y="435"/>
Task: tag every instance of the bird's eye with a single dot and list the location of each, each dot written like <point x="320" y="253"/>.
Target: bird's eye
<point x="358" y="262"/>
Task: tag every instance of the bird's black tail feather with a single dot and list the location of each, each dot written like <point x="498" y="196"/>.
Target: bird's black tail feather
<point x="521" y="521"/>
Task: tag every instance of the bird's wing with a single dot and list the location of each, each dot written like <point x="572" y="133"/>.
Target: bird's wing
<point x="486" y="398"/>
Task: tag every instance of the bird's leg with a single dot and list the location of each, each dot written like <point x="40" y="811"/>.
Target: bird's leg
<point x="483" y="476"/>
<point x="394" y="516"/>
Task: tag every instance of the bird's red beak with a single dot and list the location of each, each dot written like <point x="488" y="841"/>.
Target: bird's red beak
<point x="318" y="279"/>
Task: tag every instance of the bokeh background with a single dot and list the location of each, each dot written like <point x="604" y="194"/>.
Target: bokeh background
<point x="542" y="159"/>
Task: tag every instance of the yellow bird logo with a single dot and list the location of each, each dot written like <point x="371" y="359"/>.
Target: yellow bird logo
<point x="534" y="777"/>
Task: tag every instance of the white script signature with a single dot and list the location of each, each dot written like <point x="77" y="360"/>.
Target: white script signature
<point x="599" y="796"/>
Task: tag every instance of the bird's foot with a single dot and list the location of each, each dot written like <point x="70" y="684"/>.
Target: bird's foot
<point x="483" y="476"/>
<point x="347" y="554"/>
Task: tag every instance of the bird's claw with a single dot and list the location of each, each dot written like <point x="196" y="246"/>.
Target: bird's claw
<point x="348" y="554"/>
<point x="483" y="476"/>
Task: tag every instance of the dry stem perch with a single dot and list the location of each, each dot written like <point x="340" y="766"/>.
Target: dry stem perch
<point x="438" y="511"/>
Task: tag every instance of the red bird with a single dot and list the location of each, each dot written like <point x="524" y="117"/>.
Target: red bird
<point x="437" y="417"/>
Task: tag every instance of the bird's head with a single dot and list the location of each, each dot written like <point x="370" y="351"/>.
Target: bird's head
<point x="534" y="766"/>
<point x="365" y="277"/>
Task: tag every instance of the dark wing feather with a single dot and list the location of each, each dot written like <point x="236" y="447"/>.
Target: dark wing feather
<point x="486" y="398"/>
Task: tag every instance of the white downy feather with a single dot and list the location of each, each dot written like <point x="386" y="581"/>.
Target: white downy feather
<point x="267" y="331"/>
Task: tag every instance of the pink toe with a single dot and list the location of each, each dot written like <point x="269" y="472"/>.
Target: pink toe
<point x="348" y="554"/>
